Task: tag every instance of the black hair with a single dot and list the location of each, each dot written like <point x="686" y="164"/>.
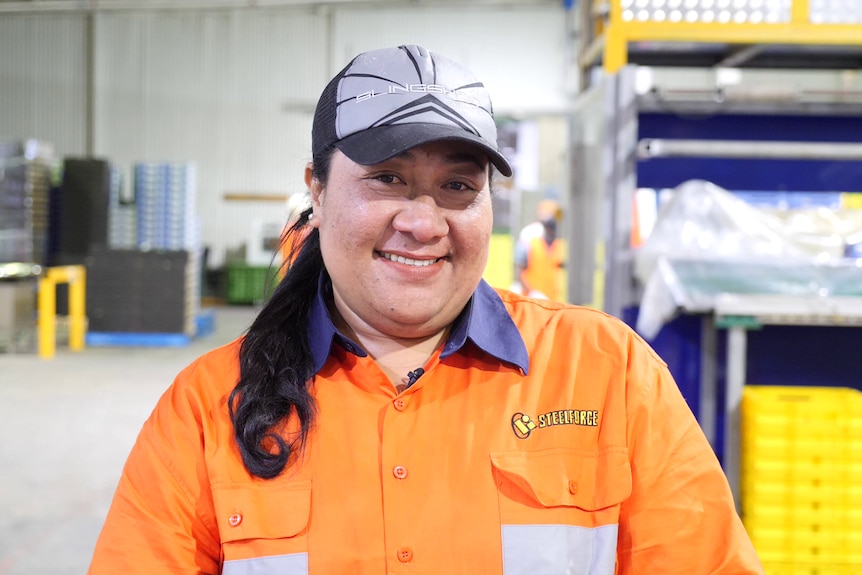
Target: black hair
<point x="275" y="358"/>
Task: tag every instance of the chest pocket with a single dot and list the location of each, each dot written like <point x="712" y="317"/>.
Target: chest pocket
<point x="559" y="509"/>
<point x="264" y="528"/>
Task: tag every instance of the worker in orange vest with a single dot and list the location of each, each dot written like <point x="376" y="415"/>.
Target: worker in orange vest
<point x="540" y="255"/>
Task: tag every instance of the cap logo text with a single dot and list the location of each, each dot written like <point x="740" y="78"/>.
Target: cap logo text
<point x="416" y="89"/>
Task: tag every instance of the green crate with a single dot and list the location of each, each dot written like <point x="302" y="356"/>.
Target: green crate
<point x="250" y="284"/>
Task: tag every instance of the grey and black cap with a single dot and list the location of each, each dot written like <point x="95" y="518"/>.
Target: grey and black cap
<point x="387" y="101"/>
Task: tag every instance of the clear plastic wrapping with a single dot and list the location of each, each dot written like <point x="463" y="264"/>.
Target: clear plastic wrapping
<point x="708" y="242"/>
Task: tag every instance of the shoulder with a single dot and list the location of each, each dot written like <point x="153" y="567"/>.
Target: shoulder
<point x="544" y="313"/>
<point x="214" y="371"/>
<point x="203" y="387"/>
<point x="574" y="326"/>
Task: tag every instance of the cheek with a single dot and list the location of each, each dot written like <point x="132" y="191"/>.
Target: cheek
<point x="475" y="229"/>
<point x="349" y="227"/>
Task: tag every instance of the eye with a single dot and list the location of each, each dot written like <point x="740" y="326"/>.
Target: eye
<point x="386" y="178"/>
<point x="459" y="186"/>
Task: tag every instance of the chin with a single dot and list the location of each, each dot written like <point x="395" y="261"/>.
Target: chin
<point x="412" y="324"/>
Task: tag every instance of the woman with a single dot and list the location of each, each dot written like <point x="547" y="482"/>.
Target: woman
<point x="389" y="412"/>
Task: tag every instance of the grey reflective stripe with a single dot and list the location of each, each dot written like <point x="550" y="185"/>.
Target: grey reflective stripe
<point x="559" y="550"/>
<point x="293" y="564"/>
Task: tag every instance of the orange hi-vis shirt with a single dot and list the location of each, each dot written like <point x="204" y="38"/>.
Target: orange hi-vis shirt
<point x="544" y="269"/>
<point x="543" y="439"/>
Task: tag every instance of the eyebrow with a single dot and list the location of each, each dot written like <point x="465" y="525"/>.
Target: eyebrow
<point x="453" y="158"/>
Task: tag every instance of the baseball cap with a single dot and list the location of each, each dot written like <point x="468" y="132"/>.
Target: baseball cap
<point x="385" y="102"/>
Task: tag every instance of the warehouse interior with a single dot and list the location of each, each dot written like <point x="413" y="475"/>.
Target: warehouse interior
<point x="707" y="155"/>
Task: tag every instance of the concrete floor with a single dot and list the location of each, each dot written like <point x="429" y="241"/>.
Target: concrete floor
<point x="67" y="425"/>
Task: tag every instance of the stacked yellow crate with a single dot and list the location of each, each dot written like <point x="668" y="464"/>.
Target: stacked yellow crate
<point x="801" y="478"/>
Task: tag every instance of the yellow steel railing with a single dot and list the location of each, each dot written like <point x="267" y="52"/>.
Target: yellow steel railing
<point x="75" y="276"/>
<point x="614" y="29"/>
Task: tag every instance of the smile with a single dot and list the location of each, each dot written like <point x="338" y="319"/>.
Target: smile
<point x="408" y="261"/>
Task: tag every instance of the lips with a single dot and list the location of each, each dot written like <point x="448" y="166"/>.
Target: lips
<point x="408" y="261"/>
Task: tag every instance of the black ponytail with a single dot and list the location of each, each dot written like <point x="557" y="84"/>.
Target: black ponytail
<point x="275" y="357"/>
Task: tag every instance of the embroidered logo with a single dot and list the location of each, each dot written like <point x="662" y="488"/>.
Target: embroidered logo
<point x="523" y="425"/>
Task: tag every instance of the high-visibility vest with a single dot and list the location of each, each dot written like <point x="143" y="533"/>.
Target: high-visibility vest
<point x="544" y="271"/>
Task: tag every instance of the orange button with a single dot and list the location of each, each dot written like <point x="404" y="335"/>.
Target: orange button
<point x="405" y="554"/>
<point x="573" y="487"/>
<point x="399" y="471"/>
<point x="234" y="519"/>
<point x="399" y="404"/>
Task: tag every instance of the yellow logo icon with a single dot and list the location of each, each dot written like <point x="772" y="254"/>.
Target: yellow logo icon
<point x="522" y="425"/>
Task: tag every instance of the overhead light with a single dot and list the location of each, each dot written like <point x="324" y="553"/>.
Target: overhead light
<point x="736" y="11"/>
<point x="835" y="11"/>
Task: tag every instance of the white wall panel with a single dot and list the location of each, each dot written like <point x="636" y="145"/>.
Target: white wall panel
<point x="43" y="78"/>
<point x="518" y="52"/>
<point x="231" y="91"/>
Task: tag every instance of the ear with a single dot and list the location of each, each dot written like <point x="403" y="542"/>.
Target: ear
<point x="317" y="192"/>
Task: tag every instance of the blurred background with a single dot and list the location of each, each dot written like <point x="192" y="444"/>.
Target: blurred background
<point x="703" y="157"/>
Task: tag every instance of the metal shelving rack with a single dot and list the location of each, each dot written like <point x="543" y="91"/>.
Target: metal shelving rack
<point x="745" y="26"/>
<point x="819" y="40"/>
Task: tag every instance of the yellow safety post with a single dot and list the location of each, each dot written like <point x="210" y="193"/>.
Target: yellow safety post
<point x="75" y="276"/>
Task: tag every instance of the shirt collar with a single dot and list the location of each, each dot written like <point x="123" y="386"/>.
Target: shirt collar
<point x="484" y="321"/>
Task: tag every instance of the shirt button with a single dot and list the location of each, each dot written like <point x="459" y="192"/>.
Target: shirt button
<point x="399" y="404"/>
<point x="573" y="487"/>
<point x="405" y="554"/>
<point x="399" y="471"/>
<point x="234" y="519"/>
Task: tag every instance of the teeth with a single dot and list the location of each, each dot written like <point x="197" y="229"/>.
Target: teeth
<point x="408" y="261"/>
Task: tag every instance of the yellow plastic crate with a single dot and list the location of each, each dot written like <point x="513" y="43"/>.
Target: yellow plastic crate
<point x="756" y="492"/>
<point x="800" y="404"/>
<point x="798" y="550"/>
<point x="801" y="478"/>
<point x="784" y="516"/>
<point x="802" y="469"/>
<point x="802" y="568"/>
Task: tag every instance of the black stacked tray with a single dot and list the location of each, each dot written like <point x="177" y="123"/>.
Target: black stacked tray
<point x="132" y="291"/>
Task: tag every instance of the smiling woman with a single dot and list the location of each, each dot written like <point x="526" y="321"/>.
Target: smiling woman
<point x="388" y="410"/>
<point x="431" y="206"/>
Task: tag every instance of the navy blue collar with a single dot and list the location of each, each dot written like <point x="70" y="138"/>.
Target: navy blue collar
<point x="484" y="321"/>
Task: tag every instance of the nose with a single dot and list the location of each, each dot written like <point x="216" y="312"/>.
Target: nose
<point x="421" y="217"/>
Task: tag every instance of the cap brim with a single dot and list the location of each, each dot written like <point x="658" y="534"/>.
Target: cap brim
<point x="376" y="145"/>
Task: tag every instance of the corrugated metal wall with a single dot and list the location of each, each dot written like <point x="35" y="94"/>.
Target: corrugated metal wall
<point x="43" y="79"/>
<point x="233" y="90"/>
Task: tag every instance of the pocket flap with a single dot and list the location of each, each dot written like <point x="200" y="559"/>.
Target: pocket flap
<point x="249" y="511"/>
<point x="568" y="477"/>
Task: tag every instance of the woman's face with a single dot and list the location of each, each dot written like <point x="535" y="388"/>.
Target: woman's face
<point x="405" y="241"/>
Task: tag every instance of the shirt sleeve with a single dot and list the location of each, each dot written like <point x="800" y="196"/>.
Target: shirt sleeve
<point x="161" y="519"/>
<point x="680" y="518"/>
